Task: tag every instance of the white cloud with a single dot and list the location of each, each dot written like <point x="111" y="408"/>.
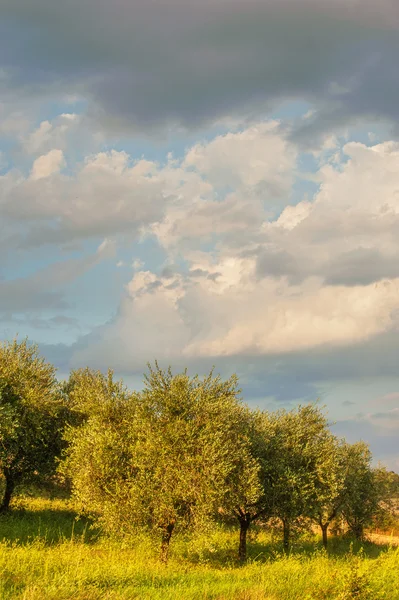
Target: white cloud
<point x="256" y="166"/>
<point x="109" y="193"/>
<point x="293" y="215"/>
<point x="105" y="196"/>
<point x="226" y="312"/>
<point x="47" y="164"/>
<point x="258" y="155"/>
<point x="52" y="134"/>
<point x="323" y="274"/>
<point x="353" y="186"/>
<point x="272" y="318"/>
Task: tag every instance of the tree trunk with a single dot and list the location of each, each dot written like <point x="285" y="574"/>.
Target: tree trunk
<point x="242" y="549"/>
<point x="165" y="539"/>
<point x="286" y="536"/>
<point x="358" y="531"/>
<point x="324" y="530"/>
<point x="10" y="485"/>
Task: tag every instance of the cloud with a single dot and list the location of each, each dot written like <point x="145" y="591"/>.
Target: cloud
<point x="52" y="134"/>
<point x="385" y="420"/>
<point x="258" y="157"/>
<point x="106" y="195"/>
<point x="235" y="315"/>
<point x="347" y="234"/>
<point x="275" y="263"/>
<point x="321" y="276"/>
<point x="362" y="266"/>
<point x="110" y="194"/>
<point x="149" y="65"/>
<point x="246" y="176"/>
<point x="47" y="165"/>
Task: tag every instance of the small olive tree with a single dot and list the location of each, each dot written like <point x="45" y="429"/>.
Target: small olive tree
<point x="330" y="487"/>
<point x="364" y="489"/>
<point x="32" y="415"/>
<point x="249" y="494"/>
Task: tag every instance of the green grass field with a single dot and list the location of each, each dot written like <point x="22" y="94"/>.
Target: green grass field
<point x="48" y="554"/>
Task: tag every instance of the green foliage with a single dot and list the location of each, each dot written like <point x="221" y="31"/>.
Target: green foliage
<point x="31" y="415"/>
<point x="386" y="517"/>
<point x="331" y="485"/>
<point x="95" y="459"/>
<point x="163" y="459"/>
<point x="364" y="489"/>
<point x="244" y="492"/>
<point x="300" y="472"/>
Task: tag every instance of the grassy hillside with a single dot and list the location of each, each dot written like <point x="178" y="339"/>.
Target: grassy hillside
<point x="47" y="554"/>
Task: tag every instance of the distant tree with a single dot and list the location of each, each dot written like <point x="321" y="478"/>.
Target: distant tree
<point x="31" y="416"/>
<point x="351" y="487"/>
<point x="364" y="489"/>
<point x="386" y="517"/>
<point x="330" y="485"/>
<point x="300" y="466"/>
<point x="163" y="459"/>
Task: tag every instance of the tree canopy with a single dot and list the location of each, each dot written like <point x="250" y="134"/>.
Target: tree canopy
<point x="31" y="416"/>
<point x="170" y="457"/>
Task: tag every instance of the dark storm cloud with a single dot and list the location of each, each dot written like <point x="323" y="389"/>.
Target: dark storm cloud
<point x="187" y="62"/>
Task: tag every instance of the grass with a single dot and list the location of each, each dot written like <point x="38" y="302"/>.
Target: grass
<point x="48" y="554"/>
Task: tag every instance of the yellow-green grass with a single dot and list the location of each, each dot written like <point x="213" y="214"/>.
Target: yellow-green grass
<point x="46" y="554"/>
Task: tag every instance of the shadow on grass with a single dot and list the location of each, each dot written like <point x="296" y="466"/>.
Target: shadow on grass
<point x="338" y="547"/>
<point x="49" y="526"/>
<point x="264" y="551"/>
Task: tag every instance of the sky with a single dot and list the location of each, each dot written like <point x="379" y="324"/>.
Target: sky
<point x="209" y="183"/>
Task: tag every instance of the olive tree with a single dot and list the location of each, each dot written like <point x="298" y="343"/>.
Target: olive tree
<point x="162" y="459"/>
<point x="300" y="464"/>
<point x="330" y="485"/>
<point x="249" y="495"/>
<point x="95" y="440"/>
<point x="364" y="489"/>
<point x="31" y="416"/>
